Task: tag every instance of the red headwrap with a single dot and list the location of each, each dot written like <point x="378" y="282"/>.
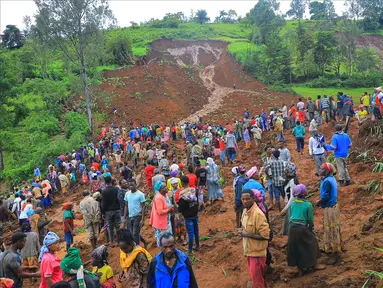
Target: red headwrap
<point x="67" y="205"/>
<point x="328" y="167"/>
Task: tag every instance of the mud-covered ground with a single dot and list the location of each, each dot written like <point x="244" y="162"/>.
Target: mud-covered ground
<point x="187" y="79"/>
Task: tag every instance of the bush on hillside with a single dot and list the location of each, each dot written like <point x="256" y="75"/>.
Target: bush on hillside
<point x="43" y="121"/>
<point x="75" y="122"/>
<point x="119" y="49"/>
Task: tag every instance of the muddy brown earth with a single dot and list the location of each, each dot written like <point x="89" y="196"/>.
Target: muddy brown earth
<point x="186" y="79"/>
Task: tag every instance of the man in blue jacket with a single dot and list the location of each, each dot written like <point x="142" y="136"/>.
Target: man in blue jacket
<point x="171" y="268"/>
<point x="340" y="144"/>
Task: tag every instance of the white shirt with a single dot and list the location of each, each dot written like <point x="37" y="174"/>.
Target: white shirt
<point x="314" y="147"/>
<point x="313" y="125"/>
<point x="16" y="204"/>
<point x="301" y="106"/>
<point x="27" y="208"/>
<point x="284" y="112"/>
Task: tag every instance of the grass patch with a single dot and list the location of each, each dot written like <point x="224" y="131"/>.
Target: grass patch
<point x="306" y="92"/>
<point x="139" y="51"/>
<point x="106" y="67"/>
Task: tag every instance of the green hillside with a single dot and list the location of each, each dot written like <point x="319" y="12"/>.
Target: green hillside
<point x="142" y="36"/>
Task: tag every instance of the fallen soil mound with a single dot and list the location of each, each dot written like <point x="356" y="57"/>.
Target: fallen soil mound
<point x="184" y="80"/>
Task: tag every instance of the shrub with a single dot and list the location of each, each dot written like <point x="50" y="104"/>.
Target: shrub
<point x="43" y="121"/>
<point x="75" y="122"/>
<point x="119" y="48"/>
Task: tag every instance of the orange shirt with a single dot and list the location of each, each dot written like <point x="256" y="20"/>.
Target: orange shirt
<point x="293" y="111"/>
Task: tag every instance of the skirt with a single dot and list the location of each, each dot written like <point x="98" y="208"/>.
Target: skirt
<point x="30" y="262"/>
<point x="332" y="238"/>
<point x="286" y="224"/>
<point x="214" y="191"/>
<point x="180" y="225"/>
<point x="302" y="247"/>
<point x="159" y="232"/>
<point x="47" y="201"/>
<point x="217" y="152"/>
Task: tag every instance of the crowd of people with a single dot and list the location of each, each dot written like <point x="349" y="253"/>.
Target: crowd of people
<point x="176" y="187"/>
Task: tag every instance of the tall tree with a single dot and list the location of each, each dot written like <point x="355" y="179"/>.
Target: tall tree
<point x="324" y="49"/>
<point x="71" y="25"/>
<point x="298" y="8"/>
<point x="304" y="42"/>
<point x="347" y="40"/>
<point x="12" y="37"/>
<point x="329" y="9"/>
<point x="353" y="9"/>
<point x="317" y="10"/>
<point x="231" y="15"/>
<point x="264" y="16"/>
<point x="201" y="16"/>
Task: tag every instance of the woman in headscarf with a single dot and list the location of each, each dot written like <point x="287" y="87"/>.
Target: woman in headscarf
<point x="47" y="197"/>
<point x="302" y="246"/>
<point x="134" y="261"/>
<point x="68" y="225"/>
<point x="214" y="190"/>
<point x="31" y="250"/>
<point x="173" y="175"/>
<point x="161" y="211"/>
<point x="178" y="221"/>
<point x="332" y="238"/>
<point x="50" y="265"/>
<point x="291" y="180"/>
<point x="74" y="271"/>
<point x="101" y="268"/>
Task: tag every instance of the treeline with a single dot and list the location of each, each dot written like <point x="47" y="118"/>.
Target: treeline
<point x="325" y="50"/>
<point x="173" y="20"/>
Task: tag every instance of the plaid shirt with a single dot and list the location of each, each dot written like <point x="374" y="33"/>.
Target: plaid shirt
<point x="277" y="168"/>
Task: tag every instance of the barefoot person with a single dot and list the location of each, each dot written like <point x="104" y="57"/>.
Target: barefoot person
<point x="302" y="246"/>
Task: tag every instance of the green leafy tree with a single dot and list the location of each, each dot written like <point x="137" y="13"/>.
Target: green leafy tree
<point x="298" y="8"/>
<point x="232" y="15"/>
<point x="347" y="41"/>
<point x="305" y="41"/>
<point x="366" y="60"/>
<point x="324" y="49"/>
<point x="329" y="9"/>
<point x="317" y="10"/>
<point x="201" y="16"/>
<point x="353" y="9"/>
<point x="264" y="16"/>
<point x="71" y="25"/>
<point x="12" y="37"/>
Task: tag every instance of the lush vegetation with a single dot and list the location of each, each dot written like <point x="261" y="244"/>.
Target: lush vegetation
<point x="142" y="36"/>
<point x="322" y="52"/>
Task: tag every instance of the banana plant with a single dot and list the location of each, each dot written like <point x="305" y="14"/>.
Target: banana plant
<point x="378" y="167"/>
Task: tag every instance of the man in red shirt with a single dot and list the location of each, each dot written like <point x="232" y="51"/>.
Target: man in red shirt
<point x="192" y="178"/>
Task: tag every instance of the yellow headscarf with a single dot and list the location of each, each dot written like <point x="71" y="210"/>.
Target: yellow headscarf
<point x="127" y="260"/>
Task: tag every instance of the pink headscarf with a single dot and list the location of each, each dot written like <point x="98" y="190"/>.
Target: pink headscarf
<point x="252" y="171"/>
<point x="259" y="200"/>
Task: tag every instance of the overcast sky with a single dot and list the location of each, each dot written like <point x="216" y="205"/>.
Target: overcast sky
<point x="12" y="11"/>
